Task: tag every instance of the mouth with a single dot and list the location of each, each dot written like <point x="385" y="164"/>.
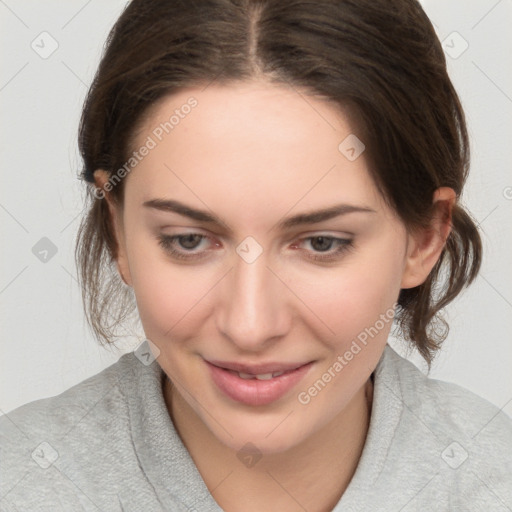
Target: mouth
<point x="254" y="370"/>
<point x="263" y="385"/>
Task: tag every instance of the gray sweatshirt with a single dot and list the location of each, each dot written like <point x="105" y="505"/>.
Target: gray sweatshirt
<point x="109" y="444"/>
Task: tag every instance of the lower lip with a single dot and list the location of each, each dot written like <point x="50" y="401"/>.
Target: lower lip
<point x="254" y="391"/>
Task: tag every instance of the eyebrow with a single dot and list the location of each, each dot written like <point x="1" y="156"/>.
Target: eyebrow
<point x="313" y="217"/>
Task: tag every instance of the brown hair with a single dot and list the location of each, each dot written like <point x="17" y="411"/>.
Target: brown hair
<point x="381" y="58"/>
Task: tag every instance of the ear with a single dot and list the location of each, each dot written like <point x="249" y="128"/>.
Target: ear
<point x="101" y="178"/>
<point x="424" y="247"/>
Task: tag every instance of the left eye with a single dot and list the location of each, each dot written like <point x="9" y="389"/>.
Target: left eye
<point x="187" y="242"/>
<point x="323" y="244"/>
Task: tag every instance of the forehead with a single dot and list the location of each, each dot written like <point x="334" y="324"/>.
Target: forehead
<point x="255" y="141"/>
<point x="254" y="112"/>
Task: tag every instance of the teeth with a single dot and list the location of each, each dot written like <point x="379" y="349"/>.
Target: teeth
<point x="263" y="376"/>
<point x="245" y="375"/>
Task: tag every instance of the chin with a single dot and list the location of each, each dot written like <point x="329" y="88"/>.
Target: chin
<point x="265" y="437"/>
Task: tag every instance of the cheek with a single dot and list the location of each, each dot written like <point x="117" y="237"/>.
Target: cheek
<point x="174" y="299"/>
<point x="357" y="305"/>
<point x="352" y="297"/>
<point x="168" y="295"/>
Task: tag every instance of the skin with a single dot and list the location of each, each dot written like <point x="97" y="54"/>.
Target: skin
<point x="252" y="154"/>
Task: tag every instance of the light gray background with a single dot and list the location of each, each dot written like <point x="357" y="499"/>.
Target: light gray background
<point x="46" y="346"/>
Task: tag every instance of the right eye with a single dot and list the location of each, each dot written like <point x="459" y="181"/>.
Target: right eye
<point x="187" y="242"/>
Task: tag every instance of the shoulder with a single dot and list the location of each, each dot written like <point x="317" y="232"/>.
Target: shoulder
<point x="458" y="437"/>
<point x="39" y="438"/>
<point x="61" y="411"/>
<point x="448" y="407"/>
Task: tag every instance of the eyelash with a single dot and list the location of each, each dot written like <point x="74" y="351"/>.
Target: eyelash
<point x="167" y="243"/>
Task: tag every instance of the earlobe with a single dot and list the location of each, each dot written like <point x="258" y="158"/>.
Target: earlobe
<point x="426" y="245"/>
<point x="100" y="179"/>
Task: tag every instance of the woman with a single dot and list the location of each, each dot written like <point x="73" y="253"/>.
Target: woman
<point x="272" y="184"/>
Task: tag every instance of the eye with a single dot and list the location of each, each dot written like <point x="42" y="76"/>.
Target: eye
<point x="187" y="241"/>
<point x="322" y="246"/>
<point x="182" y="246"/>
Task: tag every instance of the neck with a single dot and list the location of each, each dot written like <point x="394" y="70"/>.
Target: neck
<point x="312" y="476"/>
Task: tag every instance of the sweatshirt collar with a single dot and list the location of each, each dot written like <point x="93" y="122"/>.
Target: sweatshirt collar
<point x="171" y="471"/>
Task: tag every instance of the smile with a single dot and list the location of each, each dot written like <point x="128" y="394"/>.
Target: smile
<point x="256" y="389"/>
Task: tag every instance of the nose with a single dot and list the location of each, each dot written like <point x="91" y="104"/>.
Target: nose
<point x="253" y="310"/>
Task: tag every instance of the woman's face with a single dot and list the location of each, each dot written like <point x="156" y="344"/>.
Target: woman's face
<point x="253" y="279"/>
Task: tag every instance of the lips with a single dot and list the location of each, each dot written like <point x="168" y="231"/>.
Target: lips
<point x="254" y="388"/>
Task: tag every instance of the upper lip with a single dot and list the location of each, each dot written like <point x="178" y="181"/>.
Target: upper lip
<point x="257" y="369"/>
